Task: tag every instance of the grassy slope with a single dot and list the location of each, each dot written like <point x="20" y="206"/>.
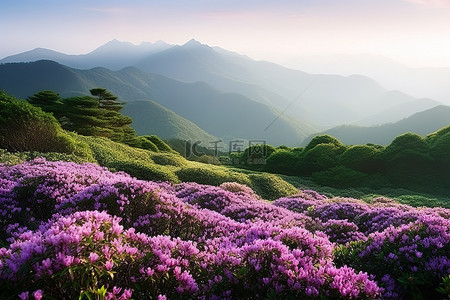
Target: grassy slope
<point x="169" y="166"/>
<point x="148" y="115"/>
<point x="173" y="167"/>
<point x="162" y="165"/>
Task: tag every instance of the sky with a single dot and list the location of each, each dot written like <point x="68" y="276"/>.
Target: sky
<point x="413" y="32"/>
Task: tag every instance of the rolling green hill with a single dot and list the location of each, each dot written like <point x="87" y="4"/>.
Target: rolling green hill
<point x="150" y="116"/>
<point x="218" y="113"/>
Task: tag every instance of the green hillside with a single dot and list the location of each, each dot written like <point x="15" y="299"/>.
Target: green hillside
<point x="422" y="123"/>
<point x="162" y="164"/>
<point x="149" y="116"/>
<point x="218" y="113"/>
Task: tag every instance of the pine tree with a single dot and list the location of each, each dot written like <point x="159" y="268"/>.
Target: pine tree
<point x="107" y="100"/>
<point x="48" y="101"/>
<point x="83" y="115"/>
<point x="97" y="115"/>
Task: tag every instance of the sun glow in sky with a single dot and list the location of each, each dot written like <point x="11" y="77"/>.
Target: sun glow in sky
<point x="414" y="32"/>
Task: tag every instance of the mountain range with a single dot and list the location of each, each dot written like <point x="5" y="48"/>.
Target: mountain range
<point x="220" y="114"/>
<point x="219" y="93"/>
<point x="422" y="123"/>
<point x="417" y="81"/>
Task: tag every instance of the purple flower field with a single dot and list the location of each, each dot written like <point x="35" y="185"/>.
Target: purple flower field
<point x="71" y="231"/>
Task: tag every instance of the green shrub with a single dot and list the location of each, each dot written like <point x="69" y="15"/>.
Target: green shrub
<point x="159" y="143"/>
<point x="238" y="177"/>
<point x="270" y="186"/>
<point x="106" y="151"/>
<point x="406" y="142"/>
<point x="323" y="139"/>
<point x="147" y="144"/>
<point x="209" y="159"/>
<point x="210" y="176"/>
<point x="144" y="171"/>
<point x="168" y="159"/>
<point x="435" y="136"/>
<point x="282" y="161"/>
<point x="319" y="158"/>
<point x="12" y="158"/>
<point x="24" y="127"/>
<point x="343" y="177"/>
<point x="256" y="155"/>
<point x="409" y="164"/>
<point x="364" y="158"/>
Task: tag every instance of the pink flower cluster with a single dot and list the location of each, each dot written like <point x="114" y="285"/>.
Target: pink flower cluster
<point x="70" y="229"/>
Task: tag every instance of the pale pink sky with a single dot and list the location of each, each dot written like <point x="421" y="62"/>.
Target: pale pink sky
<point x="415" y="32"/>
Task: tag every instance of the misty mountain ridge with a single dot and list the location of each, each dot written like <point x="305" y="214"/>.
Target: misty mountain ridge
<point x="194" y="78"/>
<point x="422" y="123"/>
<point x="219" y="114"/>
<point x="113" y="55"/>
<point x="326" y="100"/>
<point x="429" y="82"/>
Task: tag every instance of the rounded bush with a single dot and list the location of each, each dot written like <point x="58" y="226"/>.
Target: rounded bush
<point x="319" y="158"/>
<point x="24" y="127"/>
<point x="160" y="144"/>
<point x="209" y="176"/>
<point x="168" y="159"/>
<point x="282" y="161"/>
<point x="323" y="139"/>
<point x="363" y="158"/>
<point x="144" y="171"/>
<point x="270" y="186"/>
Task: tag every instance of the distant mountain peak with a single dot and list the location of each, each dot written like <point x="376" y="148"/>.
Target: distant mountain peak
<point x="113" y="45"/>
<point x="193" y="43"/>
<point x="160" y="42"/>
<point x="117" y="42"/>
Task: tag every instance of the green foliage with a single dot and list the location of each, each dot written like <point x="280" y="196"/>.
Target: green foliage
<point x="407" y="148"/>
<point x="281" y="161"/>
<point x="209" y="159"/>
<point x="211" y="176"/>
<point x="444" y="287"/>
<point x="146" y="144"/>
<point x="145" y="171"/>
<point x="97" y="116"/>
<point x="323" y="139"/>
<point x="12" y="158"/>
<point x="24" y="127"/>
<point x="86" y="116"/>
<point x="364" y="158"/>
<point x="341" y="176"/>
<point x="256" y="154"/>
<point x="270" y="186"/>
<point x="410" y="161"/>
<point x="168" y="159"/>
<point x="107" y="100"/>
<point x="106" y="151"/>
<point x="319" y="158"/>
<point x="440" y="148"/>
<point x="48" y="101"/>
<point x="159" y="143"/>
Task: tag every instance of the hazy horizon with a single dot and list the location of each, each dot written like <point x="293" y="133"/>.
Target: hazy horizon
<point x="411" y="32"/>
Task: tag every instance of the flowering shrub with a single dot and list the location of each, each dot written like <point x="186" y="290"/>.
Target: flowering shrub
<point x="78" y="230"/>
<point x="409" y="260"/>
